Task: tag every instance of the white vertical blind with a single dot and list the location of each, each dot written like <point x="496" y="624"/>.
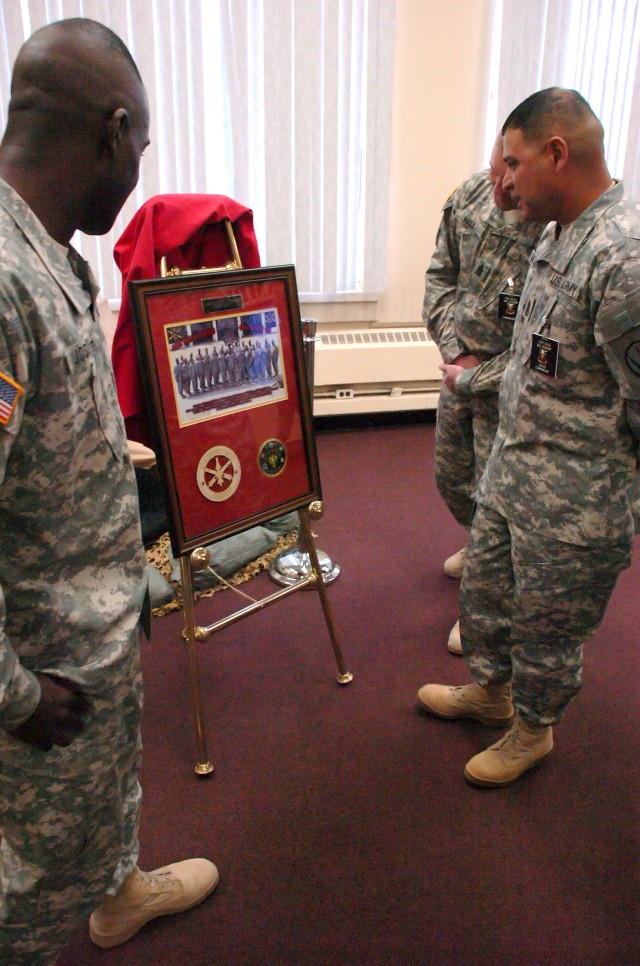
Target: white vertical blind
<point x="283" y="105"/>
<point x="592" y="46"/>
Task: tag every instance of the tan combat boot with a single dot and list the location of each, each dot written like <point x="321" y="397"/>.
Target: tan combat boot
<point x="454" y="565"/>
<point x="490" y="706"/>
<point x="454" y="643"/>
<point x="523" y="747"/>
<point x="147" y="895"/>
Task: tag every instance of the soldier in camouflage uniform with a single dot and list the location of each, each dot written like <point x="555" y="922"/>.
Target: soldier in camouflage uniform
<point x="557" y="504"/>
<point x="473" y="287"/>
<point x="72" y="566"/>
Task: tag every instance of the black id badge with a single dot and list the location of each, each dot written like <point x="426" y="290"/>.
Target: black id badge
<point x="544" y="354"/>
<point x="508" y="306"/>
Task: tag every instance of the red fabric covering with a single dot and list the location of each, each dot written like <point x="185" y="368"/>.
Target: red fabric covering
<point x="188" y="229"/>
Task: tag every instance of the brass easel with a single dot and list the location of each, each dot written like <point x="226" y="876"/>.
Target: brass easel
<point x="199" y="559"/>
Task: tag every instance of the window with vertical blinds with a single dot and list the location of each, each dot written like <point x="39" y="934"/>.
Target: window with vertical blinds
<point x="284" y="106"/>
<point x="592" y="46"/>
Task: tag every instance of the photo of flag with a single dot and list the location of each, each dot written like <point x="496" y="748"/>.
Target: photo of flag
<point x="10" y="392"/>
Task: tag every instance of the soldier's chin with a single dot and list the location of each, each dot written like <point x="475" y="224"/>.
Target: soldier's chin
<point x="101" y="213"/>
<point x="98" y="223"/>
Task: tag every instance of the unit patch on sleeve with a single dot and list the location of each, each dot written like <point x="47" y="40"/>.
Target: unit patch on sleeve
<point x="10" y="393"/>
<point x="632" y="357"/>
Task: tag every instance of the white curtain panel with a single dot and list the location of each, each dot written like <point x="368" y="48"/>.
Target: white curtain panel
<point x="592" y="46"/>
<point x="284" y="105"/>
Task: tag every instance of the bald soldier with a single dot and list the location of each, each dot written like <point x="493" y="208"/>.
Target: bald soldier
<point x="72" y="567"/>
<point x="557" y="504"/>
<point x="472" y="289"/>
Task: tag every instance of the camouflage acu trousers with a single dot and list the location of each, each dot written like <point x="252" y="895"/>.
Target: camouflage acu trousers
<point x="465" y="430"/>
<point x="527" y="606"/>
<point x="69" y="825"/>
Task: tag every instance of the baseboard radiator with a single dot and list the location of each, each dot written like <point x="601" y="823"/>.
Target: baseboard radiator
<point x="375" y="370"/>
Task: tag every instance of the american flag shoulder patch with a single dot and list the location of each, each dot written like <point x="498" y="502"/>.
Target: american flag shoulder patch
<point x="10" y="393"/>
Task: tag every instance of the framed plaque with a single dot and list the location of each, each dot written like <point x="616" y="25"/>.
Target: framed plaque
<point x="223" y="364"/>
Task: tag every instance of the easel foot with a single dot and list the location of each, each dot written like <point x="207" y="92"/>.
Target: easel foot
<point x="204" y="768"/>
<point x="345" y="678"/>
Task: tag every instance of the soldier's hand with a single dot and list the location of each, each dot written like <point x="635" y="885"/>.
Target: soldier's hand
<point x="59" y="717"/>
<point x="451" y="373"/>
<point x="465" y="360"/>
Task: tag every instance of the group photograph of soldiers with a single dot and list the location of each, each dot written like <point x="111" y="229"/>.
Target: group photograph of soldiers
<point x="224" y="373"/>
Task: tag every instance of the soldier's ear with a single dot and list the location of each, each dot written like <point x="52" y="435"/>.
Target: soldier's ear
<point x="559" y="151"/>
<point x="116" y="127"/>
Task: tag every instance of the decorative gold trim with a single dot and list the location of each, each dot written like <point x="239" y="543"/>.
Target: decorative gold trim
<point x="234" y="262"/>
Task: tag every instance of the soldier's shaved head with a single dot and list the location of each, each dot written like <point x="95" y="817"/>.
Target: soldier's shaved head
<point x="557" y="111"/>
<point x="68" y="74"/>
<point x="78" y="123"/>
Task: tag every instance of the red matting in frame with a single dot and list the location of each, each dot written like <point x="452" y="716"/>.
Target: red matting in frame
<point x="223" y="362"/>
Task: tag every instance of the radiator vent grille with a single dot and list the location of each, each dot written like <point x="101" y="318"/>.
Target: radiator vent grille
<point x="384" y="337"/>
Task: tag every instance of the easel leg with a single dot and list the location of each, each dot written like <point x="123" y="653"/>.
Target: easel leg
<point x="344" y="676"/>
<point x="204" y="766"/>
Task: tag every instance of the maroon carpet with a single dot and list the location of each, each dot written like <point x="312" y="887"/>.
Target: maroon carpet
<point x="339" y="818"/>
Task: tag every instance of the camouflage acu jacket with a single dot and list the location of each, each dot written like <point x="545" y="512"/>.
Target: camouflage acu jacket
<point x="565" y="458"/>
<point x="478" y="256"/>
<point x="72" y="567"/>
